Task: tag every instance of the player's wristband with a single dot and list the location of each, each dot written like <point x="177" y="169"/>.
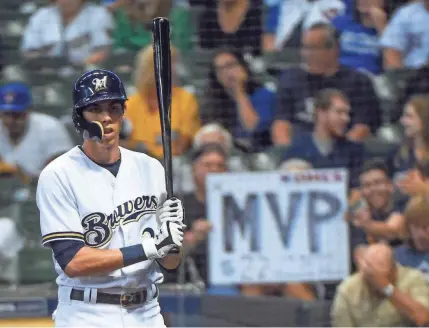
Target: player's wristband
<point x="133" y="254"/>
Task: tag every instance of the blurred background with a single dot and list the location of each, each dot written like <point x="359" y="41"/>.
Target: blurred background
<point x="291" y="89"/>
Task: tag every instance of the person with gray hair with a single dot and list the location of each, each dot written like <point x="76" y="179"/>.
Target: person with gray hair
<point x="294" y="165"/>
<point x="211" y="133"/>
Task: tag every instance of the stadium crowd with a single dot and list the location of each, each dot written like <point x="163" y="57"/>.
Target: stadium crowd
<point x="257" y="85"/>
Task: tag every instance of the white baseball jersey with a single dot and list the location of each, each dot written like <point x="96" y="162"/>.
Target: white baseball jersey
<point x="89" y="30"/>
<point x="80" y="200"/>
<point x="45" y="138"/>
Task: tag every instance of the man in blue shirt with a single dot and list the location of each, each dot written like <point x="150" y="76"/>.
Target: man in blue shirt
<point x="415" y="253"/>
<point x="327" y="146"/>
<point x="298" y="85"/>
<point x="359" y="35"/>
<point x="406" y="37"/>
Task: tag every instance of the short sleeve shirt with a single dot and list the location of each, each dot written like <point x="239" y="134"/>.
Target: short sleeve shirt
<point x="146" y="126"/>
<point x="297" y="87"/>
<point x="408" y="32"/>
<point x="89" y="30"/>
<point x="46" y="137"/>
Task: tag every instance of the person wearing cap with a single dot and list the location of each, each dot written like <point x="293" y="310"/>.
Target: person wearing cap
<point x="28" y="140"/>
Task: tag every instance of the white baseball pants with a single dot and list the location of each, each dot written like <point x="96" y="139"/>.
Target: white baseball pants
<point x="71" y="313"/>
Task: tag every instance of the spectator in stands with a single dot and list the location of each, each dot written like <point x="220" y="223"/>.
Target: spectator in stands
<point x="209" y="158"/>
<point x="237" y="101"/>
<point x="286" y="20"/>
<point x="74" y="29"/>
<point x="406" y="37"/>
<point x="381" y="217"/>
<point x="133" y="28"/>
<point x="326" y="146"/>
<point x="294" y="165"/>
<point x="142" y="110"/>
<point x="28" y="140"/>
<point x="298" y="85"/>
<point x="235" y="24"/>
<point x="418" y="83"/>
<point x="415" y="121"/>
<point x="415" y="253"/>
<point x="382" y="293"/>
<point x="212" y="133"/>
<point x="416" y="181"/>
<point x="359" y="32"/>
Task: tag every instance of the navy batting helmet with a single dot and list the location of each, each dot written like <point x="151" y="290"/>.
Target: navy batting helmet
<point x="92" y="87"/>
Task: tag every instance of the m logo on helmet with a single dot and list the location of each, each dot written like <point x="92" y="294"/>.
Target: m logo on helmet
<point x="100" y="84"/>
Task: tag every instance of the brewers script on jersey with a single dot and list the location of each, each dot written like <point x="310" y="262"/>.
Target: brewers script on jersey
<point x="82" y="201"/>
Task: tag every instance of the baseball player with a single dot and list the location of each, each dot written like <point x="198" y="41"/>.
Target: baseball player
<point x="104" y="213"/>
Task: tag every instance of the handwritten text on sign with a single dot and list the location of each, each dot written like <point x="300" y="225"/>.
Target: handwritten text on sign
<point x="277" y="227"/>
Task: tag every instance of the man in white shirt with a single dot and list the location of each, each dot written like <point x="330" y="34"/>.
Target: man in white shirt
<point x="75" y="29"/>
<point x="28" y="140"/>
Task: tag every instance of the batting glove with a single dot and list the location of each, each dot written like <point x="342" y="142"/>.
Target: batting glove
<point x="171" y="210"/>
<point x="169" y="236"/>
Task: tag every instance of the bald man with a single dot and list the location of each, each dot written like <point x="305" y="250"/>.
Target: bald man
<point x="381" y="293"/>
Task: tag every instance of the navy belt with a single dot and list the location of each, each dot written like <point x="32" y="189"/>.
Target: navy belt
<point x="124" y="300"/>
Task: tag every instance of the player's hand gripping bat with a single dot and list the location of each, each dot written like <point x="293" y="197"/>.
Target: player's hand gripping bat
<point x="162" y="61"/>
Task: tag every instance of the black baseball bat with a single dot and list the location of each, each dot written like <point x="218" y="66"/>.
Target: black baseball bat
<point x="162" y="60"/>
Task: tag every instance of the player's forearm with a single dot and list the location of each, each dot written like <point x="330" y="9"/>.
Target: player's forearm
<point x="91" y="262"/>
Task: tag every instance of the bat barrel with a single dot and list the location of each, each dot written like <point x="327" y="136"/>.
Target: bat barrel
<point x="162" y="61"/>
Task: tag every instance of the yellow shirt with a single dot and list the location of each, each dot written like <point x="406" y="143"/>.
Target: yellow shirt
<point x="355" y="306"/>
<point x="146" y="126"/>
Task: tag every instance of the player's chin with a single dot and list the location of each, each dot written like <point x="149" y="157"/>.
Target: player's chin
<point x="110" y="138"/>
